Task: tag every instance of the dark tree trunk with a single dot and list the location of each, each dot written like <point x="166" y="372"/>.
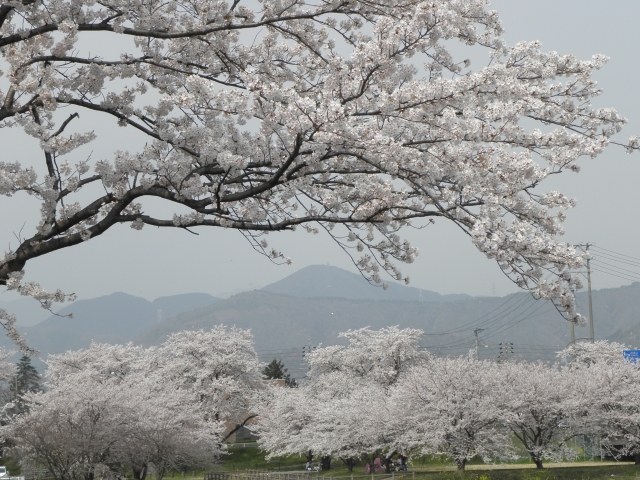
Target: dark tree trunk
<point x="349" y="462"/>
<point x="139" y="473"/>
<point x="538" y="463"/>
<point x="326" y="462"/>
<point x="462" y="464"/>
<point x="368" y="459"/>
<point x="636" y="458"/>
<point x="387" y="464"/>
<point x="309" y="456"/>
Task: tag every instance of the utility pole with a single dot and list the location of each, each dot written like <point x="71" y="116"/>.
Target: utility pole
<point x="591" y="335"/>
<point x="306" y="350"/>
<point x="573" y="333"/>
<point x="475" y="332"/>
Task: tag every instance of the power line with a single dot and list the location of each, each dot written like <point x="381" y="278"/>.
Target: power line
<point x="636" y="279"/>
<point x="473" y="322"/>
<point x="488" y="323"/>
<point x="611" y="258"/>
<point x="513" y="324"/>
<point x="615" y="267"/>
<point x="616" y="253"/>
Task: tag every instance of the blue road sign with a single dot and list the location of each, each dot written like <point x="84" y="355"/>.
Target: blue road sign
<point x="632" y="355"/>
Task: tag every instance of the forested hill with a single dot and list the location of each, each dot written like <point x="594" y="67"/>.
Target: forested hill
<point x="307" y="308"/>
<point x="327" y="281"/>
<point x="281" y="323"/>
<point x="115" y="318"/>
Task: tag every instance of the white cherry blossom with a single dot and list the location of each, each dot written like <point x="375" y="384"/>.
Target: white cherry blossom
<point x="351" y="117"/>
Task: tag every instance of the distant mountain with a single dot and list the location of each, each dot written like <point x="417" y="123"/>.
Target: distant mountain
<point x="318" y="281"/>
<point x="185" y="302"/>
<point x="313" y="305"/>
<point x="115" y="318"/>
<point x="27" y="310"/>
<point x="282" y="324"/>
<point x="629" y="336"/>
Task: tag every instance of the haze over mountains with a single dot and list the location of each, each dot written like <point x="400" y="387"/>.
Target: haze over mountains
<point x="313" y="305"/>
<point x="115" y="318"/>
<point x="326" y="281"/>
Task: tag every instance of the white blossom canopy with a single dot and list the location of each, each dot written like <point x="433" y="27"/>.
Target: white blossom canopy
<point x="452" y="407"/>
<point x="349" y="116"/>
<point x="170" y="406"/>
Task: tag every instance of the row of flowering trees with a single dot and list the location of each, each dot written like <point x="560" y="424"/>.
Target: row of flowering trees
<point x="132" y="408"/>
<point x="381" y="395"/>
<point x="377" y="395"/>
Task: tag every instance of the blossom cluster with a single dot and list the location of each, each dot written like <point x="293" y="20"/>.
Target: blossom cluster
<point x="353" y="118"/>
<point x="159" y="408"/>
<point x="381" y="395"/>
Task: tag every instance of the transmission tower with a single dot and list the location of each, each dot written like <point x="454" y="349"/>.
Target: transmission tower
<point x="506" y="351"/>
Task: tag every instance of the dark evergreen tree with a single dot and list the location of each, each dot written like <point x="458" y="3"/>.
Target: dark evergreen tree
<point x="27" y="379"/>
<point x="276" y="370"/>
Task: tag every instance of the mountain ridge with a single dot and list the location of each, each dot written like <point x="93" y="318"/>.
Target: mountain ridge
<point x="324" y="281"/>
<point x="288" y="321"/>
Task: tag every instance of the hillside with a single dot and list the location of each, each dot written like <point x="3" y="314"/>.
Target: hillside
<point x="325" y="281"/>
<point x="115" y="318"/>
<point x="28" y="311"/>
<point x="312" y="306"/>
<point x="282" y="324"/>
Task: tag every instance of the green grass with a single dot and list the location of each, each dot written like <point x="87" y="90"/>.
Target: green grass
<point x="619" y="472"/>
<point x="12" y="465"/>
<point x="430" y="467"/>
<point x="252" y="458"/>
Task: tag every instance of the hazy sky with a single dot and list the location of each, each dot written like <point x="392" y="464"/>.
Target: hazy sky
<point x="153" y="263"/>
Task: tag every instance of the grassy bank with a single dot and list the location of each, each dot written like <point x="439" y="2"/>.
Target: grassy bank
<point x="435" y="468"/>
<point x="565" y="472"/>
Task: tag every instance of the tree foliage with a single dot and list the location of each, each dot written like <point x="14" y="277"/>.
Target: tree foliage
<point x="351" y="117"/>
<point x="127" y="406"/>
<point x="26" y="380"/>
<point x="450" y="405"/>
<point x="381" y="395"/>
<point x="344" y="408"/>
<point x="276" y="370"/>
<point x="27" y="377"/>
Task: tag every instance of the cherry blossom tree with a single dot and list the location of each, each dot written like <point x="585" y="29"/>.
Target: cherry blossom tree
<point x="71" y="429"/>
<point x="352" y="117"/>
<point x="451" y="405"/>
<point x="82" y="423"/>
<point x="284" y="418"/>
<point x="343" y="408"/>
<point x="538" y="404"/>
<point x="220" y="367"/>
<point x="379" y="356"/>
<point x="357" y="422"/>
<point x="611" y="385"/>
<point x="8" y="373"/>
<point x="332" y="415"/>
<point x="586" y="353"/>
<point x="163" y="407"/>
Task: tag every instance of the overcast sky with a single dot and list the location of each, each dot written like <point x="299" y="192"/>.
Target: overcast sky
<point x="154" y="263"/>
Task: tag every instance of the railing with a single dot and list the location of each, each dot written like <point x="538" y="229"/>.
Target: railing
<point x="305" y="475"/>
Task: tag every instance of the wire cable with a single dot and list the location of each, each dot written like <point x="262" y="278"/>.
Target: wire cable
<point x="613" y="274"/>
<point x="616" y="253"/>
<point x="615" y="267"/>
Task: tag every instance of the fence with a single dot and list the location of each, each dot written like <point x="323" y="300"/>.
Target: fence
<point x="305" y="475"/>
